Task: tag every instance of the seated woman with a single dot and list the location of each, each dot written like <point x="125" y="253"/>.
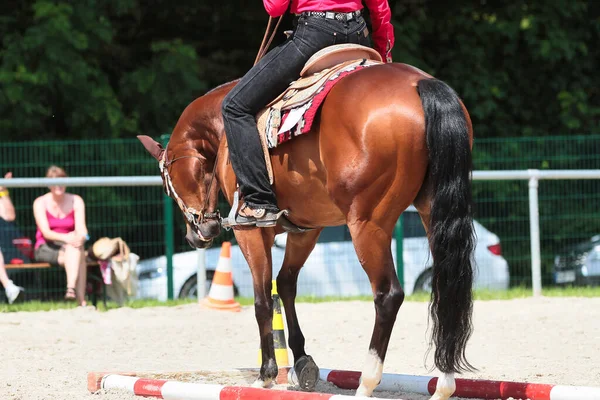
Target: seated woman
<point x="61" y="234"/>
<point x="7" y="213"/>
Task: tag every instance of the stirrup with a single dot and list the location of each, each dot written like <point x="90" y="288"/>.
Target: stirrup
<point x="233" y="219"/>
<point x="259" y="217"/>
<point x="230" y="221"/>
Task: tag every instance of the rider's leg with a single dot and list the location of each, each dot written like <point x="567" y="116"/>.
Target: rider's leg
<point x="269" y="77"/>
<point x="265" y="81"/>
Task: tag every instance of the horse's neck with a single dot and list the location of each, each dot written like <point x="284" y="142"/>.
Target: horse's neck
<point x="210" y="127"/>
<point x="224" y="170"/>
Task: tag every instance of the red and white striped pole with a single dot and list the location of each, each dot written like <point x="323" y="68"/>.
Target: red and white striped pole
<point x="173" y="390"/>
<point x="468" y="388"/>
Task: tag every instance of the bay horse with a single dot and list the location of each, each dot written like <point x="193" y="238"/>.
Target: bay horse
<point x="388" y="136"/>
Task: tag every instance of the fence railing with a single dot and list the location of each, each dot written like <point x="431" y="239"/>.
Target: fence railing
<point x="531" y="176"/>
<point x="567" y="208"/>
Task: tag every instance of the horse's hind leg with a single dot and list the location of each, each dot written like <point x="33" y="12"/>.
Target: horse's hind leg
<point x="297" y="250"/>
<point x="372" y="242"/>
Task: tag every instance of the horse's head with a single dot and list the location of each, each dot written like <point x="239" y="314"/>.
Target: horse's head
<point x="187" y="177"/>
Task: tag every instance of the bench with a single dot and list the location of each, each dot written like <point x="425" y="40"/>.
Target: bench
<point x="95" y="277"/>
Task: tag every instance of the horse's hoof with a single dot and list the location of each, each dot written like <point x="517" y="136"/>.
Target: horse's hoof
<point x="305" y="374"/>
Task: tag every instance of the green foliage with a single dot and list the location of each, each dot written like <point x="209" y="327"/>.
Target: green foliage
<point x="116" y="68"/>
<point x="65" y="73"/>
<point x="50" y="76"/>
<point x="149" y="92"/>
<point x="523" y="68"/>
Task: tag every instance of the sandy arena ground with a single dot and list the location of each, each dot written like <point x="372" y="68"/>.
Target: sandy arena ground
<point x="47" y="355"/>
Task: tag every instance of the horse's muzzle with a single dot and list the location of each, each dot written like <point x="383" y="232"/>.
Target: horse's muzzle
<point x="196" y="241"/>
<point x="210" y="229"/>
<point x="203" y="239"/>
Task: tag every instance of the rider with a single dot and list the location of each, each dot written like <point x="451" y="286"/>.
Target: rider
<point x="318" y="24"/>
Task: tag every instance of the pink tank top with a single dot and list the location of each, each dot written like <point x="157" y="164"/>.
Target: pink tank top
<point x="60" y="225"/>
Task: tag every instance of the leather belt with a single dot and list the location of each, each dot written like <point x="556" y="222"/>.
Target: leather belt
<point x="344" y="17"/>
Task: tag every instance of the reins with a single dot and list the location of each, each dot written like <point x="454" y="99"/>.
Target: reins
<point x="261" y="53"/>
<point x="212" y="179"/>
<point x="169" y="162"/>
<point x="264" y="47"/>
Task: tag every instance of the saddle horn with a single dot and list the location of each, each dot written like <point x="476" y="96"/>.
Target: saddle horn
<point x="152" y="146"/>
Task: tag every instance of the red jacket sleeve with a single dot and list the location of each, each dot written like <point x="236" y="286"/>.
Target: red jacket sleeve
<point x="276" y="8"/>
<point x="383" y="30"/>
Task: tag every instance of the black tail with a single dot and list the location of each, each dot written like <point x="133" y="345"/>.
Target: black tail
<point x="451" y="232"/>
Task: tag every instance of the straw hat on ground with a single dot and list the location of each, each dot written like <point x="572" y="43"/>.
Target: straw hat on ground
<point x="105" y="248"/>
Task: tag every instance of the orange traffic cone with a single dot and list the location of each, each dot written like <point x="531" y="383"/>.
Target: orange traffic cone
<point x="220" y="296"/>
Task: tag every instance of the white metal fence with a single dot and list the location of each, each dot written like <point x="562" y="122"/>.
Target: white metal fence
<point x="533" y="176"/>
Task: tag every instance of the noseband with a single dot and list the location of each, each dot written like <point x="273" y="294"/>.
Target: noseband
<point x="194" y="217"/>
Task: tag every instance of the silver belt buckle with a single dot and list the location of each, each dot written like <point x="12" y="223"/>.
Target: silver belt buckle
<point x="329" y="15"/>
<point x="349" y="16"/>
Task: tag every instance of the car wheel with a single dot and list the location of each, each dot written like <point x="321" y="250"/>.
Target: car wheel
<point x="190" y="287"/>
<point x="424" y="282"/>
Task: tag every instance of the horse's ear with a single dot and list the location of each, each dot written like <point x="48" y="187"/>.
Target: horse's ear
<point x="153" y="147"/>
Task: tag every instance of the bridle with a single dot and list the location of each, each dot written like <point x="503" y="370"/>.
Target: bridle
<point x="194" y="217"/>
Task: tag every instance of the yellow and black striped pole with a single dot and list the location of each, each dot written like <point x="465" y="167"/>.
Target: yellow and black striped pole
<point x="281" y="352"/>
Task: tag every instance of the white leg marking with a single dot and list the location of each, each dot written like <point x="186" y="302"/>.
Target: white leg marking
<point x="446" y="385"/>
<point x="260" y="384"/>
<point x="371" y="374"/>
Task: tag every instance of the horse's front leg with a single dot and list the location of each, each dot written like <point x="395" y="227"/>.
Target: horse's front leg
<point x="297" y="249"/>
<point x="256" y="246"/>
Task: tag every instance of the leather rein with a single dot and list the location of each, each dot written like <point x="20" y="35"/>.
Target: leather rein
<point x="264" y="46"/>
<point x="194" y="217"/>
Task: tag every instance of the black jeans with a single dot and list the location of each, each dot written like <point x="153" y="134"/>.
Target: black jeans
<point x="265" y="81"/>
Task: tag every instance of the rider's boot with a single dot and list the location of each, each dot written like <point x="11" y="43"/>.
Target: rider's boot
<point x="261" y="217"/>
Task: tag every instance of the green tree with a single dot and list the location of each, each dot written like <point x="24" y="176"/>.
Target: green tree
<point x="523" y="68"/>
<point x="59" y="79"/>
<point x="89" y="68"/>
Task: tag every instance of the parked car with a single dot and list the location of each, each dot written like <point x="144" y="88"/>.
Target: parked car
<point x="332" y="269"/>
<point x="579" y="264"/>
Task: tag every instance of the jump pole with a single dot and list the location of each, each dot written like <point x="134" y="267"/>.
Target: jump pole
<point x="468" y="388"/>
<point x="173" y="390"/>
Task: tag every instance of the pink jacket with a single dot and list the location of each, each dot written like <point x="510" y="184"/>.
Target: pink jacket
<point x="383" y="30"/>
